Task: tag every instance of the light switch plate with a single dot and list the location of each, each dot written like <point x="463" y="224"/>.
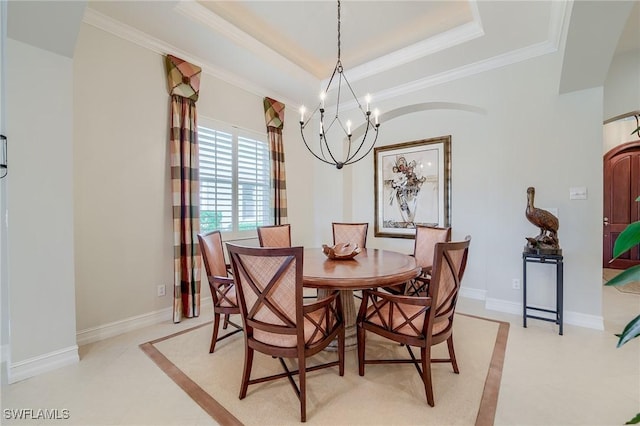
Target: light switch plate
<point x="578" y="193"/>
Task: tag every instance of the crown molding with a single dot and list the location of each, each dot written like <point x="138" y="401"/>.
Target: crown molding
<point x="499" y="61"/>
<point x="442" y="41"/>
<point x="198" y="13"/>
<point x="418" y="50"/>
<point x="133" y="35"/>
<point x="557" y="25"/>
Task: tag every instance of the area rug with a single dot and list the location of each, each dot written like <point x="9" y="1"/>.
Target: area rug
<point x="608" y="273"/>
<point x="386" y="394"/>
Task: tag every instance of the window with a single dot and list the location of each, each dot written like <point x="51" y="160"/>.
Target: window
<point x="235" y="177"/>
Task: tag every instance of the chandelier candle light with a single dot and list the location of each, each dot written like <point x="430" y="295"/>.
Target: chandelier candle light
<point x="354" y="150"/>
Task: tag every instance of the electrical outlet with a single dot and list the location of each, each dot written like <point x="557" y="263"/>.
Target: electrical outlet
<point x="515" y="284"/>
<point x="161" y="290"/>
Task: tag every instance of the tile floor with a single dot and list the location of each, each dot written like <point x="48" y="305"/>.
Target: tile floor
<point x="580" y="378"/>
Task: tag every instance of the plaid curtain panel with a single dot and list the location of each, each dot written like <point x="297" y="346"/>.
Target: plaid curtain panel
<point x="274" y="117"/>
<point x="184" y="82"/>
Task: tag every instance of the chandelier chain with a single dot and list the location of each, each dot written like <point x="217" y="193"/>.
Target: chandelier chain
<point x="355" y="151"/>
<point x="338" y="30"/>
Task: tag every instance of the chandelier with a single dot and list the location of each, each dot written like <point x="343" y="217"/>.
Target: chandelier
<point x="338" y="126"/>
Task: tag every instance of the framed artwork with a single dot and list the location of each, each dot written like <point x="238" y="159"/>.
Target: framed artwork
<point x="412" y="186"/>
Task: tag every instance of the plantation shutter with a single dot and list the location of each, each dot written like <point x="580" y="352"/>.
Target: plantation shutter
<point x="253" y="183"/>
<point x="235" y="191"/>
<point x="216" y="180"/>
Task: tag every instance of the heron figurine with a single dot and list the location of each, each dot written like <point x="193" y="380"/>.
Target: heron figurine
<point x="545" y="221"/>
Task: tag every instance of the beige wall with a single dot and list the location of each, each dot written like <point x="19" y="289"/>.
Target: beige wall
<point x="123" y="223"/>
<point x="524" y="135"/>
<point x="124" y="235"/>
<point x="622" y="86"/>
<point x="39" y="194"/>
<point x="89" y="148"/>
<point x="621" y="97"/>
<point x="527" y="136"/>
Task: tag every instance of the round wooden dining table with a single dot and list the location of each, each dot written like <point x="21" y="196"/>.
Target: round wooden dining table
<point x="371" y="268"/>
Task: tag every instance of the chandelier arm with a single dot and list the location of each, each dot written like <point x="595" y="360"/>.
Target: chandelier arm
<point x="350" y="156"/>
<point x="326" y="144"/>
<point x="350" y="161"/>
<point x="333" y="74"/>
<point x="304" y="124"/>
<point x="323" y="137"/>
<point x="353" y="93"/>
<point x="311" y="151"/>
<point x="364" y="138"/>
<point x="338" y="93"/>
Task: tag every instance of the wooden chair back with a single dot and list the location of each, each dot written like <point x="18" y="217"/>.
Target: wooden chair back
<point x="276" y="322"/>
<point x="213" y="254"/>
<point x="270" y="290"/>
<point x="450" y="261"/>
<point x="223" y="289"/>
<point x="355" y="233"/>
<point x="275" y="236"/>
<point x="425" y="243"/>
<point x="422" y="321"/>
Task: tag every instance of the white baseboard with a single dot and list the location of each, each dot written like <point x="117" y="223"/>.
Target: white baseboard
<point x="33" y="366"/>
<point x="95" y="334"/>
<point x="112" y="329"/>
<point x="473" y="293"/>
<point x="573" y="318"/>
<point x="501" y="305"/>
<point x="584" y="320"/>
<point x="41" y="364"/>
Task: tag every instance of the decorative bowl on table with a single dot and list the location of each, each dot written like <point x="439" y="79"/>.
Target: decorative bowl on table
<point x="341" y="251"/>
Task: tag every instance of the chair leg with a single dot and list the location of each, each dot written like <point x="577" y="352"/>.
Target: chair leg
<point x="361" y="343"/>
<point x="246" y="374"/>
<point x="302" y="368"/>
<point x="341" y="351"/>
<point x="226" y="321"/>
<point x="214" y="337"/>
<point x="452" y="355"/>
<point x="426" y="374"/>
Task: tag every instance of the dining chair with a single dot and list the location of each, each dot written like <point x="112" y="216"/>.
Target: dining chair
<point x="421" y="321"/>
<point x="276" y="322"/>
<point x="275" y="235"/>
<point x="223" y="290"/>
<point x="350" y="232"/>
<point x="355" y="233"/>
<point x="425" y="242"/>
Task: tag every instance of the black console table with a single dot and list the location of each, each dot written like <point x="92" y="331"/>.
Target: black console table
<point x="551" y="259"/>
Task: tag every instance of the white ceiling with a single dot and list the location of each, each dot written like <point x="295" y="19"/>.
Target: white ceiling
<point x="285" y="49"/>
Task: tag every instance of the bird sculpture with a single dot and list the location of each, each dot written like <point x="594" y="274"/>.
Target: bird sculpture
<point x="547" y="222"/>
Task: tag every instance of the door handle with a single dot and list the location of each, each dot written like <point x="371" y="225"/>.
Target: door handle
<point x="606" y="221"/>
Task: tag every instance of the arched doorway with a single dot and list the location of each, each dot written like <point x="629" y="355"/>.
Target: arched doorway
<point x="621" y="188"/>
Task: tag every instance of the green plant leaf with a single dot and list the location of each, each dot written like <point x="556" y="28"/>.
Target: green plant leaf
<point x="627" y="276"/>
<point x="634" y="421"/>
<point x="627" y="239"/>
<point x="636" y="131"/>
<point x="630" y="331"/>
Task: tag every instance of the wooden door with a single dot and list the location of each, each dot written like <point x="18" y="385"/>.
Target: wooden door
<point x="621" y="188"/>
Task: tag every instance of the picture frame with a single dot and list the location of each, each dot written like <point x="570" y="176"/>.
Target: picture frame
<point x="412" y="186"/>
